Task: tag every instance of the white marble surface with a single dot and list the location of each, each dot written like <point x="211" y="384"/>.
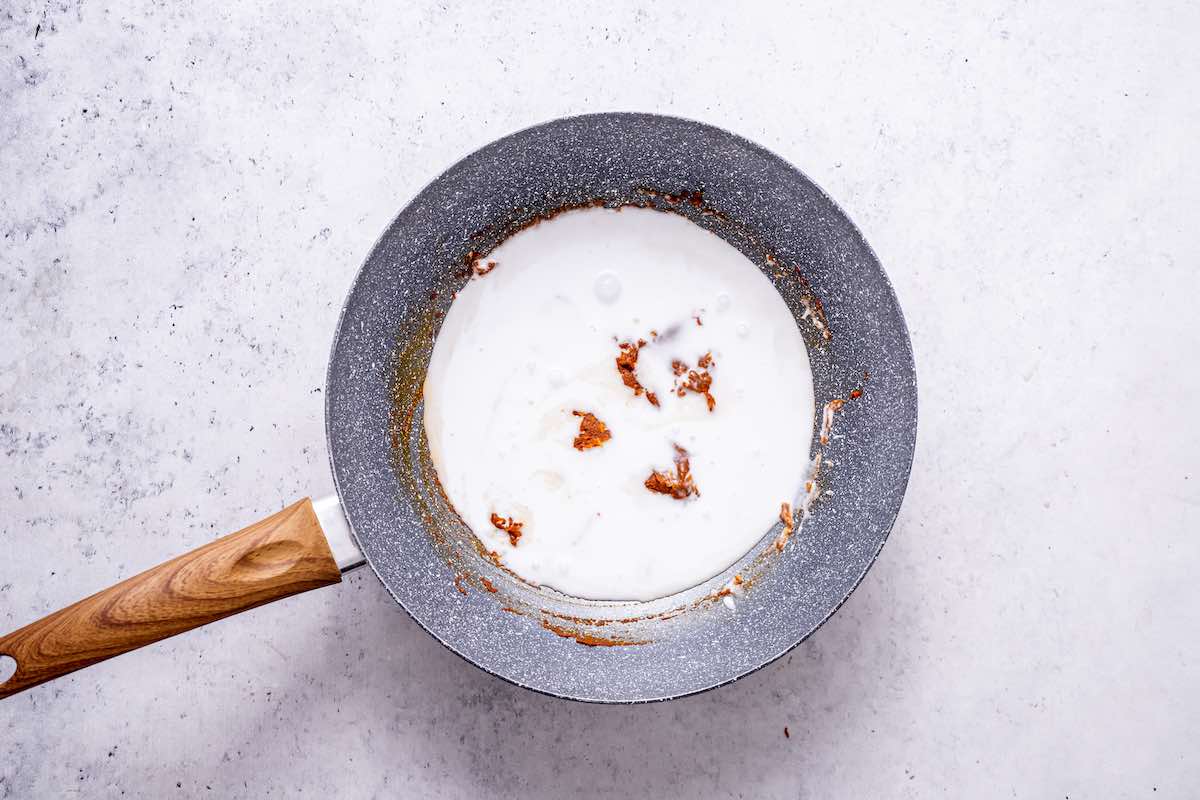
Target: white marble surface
<point x="185" y="194"/>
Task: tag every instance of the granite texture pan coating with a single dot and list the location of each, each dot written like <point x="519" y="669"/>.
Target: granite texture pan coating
<point x="860" y="355"/>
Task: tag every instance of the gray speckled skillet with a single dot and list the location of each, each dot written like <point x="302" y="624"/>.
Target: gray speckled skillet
<point x="786" y="225"/>
<point x="400" y="521"/>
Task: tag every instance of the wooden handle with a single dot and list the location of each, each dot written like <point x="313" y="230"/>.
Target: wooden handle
<point x="282" y="555"/>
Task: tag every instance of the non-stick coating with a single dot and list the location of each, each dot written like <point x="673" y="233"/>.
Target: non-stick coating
<point x="772" y="208"/>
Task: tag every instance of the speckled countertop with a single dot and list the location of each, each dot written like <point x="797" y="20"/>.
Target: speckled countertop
<point x="185" y="195"/>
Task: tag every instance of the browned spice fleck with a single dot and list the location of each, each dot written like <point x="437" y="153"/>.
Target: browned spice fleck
<point x="697" y="318"/>
<point x="679" y="485"/>
<point x="491" y="587"/>
<point x="458" y="584"/>
<point x="701" y="383"/>
<point x="855" y="394"/>
<point x="592" y="431"/>
<point x="698" y="381"/>
<point x="786" y="735"/>
<point x="627" y="368"/>
<point x="509" y="526"/>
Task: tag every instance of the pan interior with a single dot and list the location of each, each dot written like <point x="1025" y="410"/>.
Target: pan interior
<point x="621" y="651"/>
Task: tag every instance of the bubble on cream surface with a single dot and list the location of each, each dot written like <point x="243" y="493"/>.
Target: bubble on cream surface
<point x="501" y="435"/>
<point x="608" y="288"/>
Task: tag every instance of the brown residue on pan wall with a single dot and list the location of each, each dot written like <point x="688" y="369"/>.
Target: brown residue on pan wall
<point x="814" y="311"/>
<point x="789" y="525"/>
<point x="587" y="638"/>
<point x="831" y="408"/>
<point x="695" y="198"/>
<point x="516" y="226"/>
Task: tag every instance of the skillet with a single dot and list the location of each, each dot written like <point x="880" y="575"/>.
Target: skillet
<point x="389" y="511"/>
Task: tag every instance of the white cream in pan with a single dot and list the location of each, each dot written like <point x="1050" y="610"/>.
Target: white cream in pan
<point x="536" y="339"/>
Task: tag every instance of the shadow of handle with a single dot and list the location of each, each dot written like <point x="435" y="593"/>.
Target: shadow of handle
<point x="282" y="555"/>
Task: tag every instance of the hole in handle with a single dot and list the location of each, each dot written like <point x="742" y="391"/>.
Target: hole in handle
<point x="8" y="668"/>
